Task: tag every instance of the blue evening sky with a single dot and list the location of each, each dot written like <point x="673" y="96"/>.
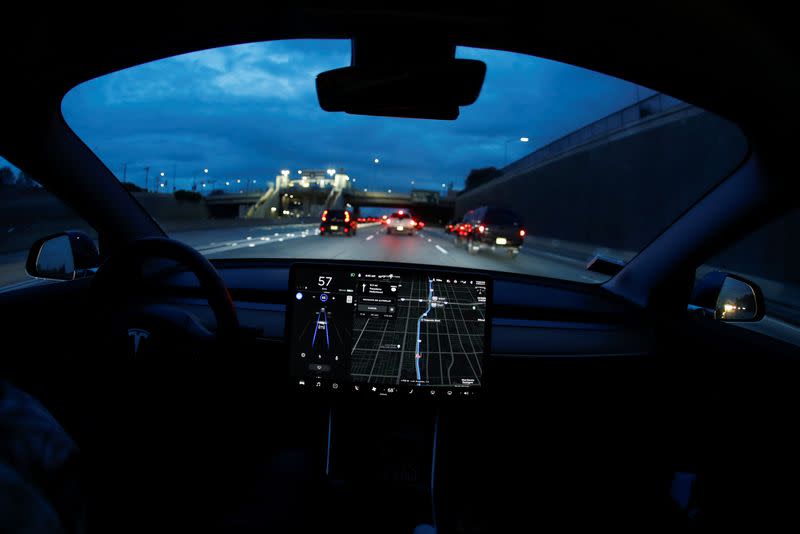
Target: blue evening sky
<point x="249" y="111"/>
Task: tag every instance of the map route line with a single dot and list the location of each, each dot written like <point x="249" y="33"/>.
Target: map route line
<point x="417" y="354"/>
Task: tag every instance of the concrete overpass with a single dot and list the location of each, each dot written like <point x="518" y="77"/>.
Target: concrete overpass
<point x="312" y="191"/>
<point x="231" y="206"/>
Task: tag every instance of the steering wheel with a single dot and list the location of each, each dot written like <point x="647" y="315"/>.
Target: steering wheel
<point x="146" y="326"/>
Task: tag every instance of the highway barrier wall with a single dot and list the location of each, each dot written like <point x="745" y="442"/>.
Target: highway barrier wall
<point x="621" y="190"/>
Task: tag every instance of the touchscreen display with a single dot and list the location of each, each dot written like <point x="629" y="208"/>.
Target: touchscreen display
<point x="389" y="332"/>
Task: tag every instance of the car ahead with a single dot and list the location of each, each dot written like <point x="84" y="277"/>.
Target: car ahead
<point x="401" y="222"/>
<point x="451" y="226"/>
<point x="337" y="222"/>
<point x="491" y="228"/>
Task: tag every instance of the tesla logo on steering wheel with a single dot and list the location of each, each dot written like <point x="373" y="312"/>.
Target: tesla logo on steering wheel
<point x="138" y="335"/>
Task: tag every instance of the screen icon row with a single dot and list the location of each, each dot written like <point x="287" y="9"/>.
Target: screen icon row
<point x="381" y="390"/>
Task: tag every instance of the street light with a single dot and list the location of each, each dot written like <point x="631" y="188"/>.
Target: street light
<point x="285" y="172"/>
<point x="376" y="161"/>
<point x="227" y="183"/>
<point x="331" y="172"/>
<point x="205" y="171"/>
<point x="163" y="173"/>
<point x="299" y="172"/>
<point x="521" y="140"/>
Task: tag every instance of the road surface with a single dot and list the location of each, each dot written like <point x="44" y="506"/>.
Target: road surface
<point x="431" y="246"/>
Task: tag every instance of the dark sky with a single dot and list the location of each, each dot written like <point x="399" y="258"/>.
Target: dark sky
<point x="249" y="111"/>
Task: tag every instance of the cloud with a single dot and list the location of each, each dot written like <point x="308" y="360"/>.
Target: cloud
<point x="257" y="83"/>
<point x="251" y="110"/>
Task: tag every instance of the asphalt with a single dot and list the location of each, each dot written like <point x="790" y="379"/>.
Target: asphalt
<point x="431" y="246"/>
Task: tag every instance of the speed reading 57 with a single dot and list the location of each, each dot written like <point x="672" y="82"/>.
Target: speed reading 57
<point x="324" y="281"/>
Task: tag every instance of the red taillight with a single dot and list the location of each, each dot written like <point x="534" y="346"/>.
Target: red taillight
<point x="324" y="215"/>
<point x="346" y="230"/>
<point x="522" y="233"/>
<point x="481" y="228"/>
<point x="322" y="229"/>
<point x="346" y="217"/>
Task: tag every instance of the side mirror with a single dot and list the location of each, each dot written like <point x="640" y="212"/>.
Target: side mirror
<point x="64" y="256"/>
<point x="727" y="297"/>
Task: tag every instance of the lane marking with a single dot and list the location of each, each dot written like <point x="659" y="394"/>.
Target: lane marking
<point x="370" y="237"/>
<point x="443" y="251"/>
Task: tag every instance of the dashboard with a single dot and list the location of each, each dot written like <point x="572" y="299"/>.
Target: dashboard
<point x="529" y="320"/>
<point x="400" y="332"/>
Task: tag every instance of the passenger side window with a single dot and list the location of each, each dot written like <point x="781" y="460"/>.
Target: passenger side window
<point x="28" y="212"/>
<point x="770" y="257"/>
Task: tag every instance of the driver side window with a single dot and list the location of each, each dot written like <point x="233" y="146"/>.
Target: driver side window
<point x="28" y="212"/>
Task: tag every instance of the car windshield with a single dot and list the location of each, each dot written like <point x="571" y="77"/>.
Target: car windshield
<point x="231" y="153"/>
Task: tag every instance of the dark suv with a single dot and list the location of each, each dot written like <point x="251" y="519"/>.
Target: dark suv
<point x="491" y="228"/>
<point x="337" y="222"/>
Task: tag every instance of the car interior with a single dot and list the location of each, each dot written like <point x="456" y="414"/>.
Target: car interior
<point x="630" y="404"/>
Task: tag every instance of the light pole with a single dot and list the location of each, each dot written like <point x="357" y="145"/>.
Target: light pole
<point x="205" y="177"/>
<point x="521" y="140"/>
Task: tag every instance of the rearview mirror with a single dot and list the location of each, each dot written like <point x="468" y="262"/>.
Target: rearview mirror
<point x="63" y="256"/>
<point x="420" y="92"/>
<point x="392" y="77"/>
<point x="727" y="297"/>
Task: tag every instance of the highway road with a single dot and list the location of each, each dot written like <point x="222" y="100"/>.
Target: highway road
<point x="430" y="246"/>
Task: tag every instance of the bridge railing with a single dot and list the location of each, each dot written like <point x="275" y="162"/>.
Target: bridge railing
<point x="627" y="116"/>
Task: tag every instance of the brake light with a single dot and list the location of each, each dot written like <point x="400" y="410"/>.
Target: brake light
<point x="347" y="216"/>
<point x="522" y="233"/>
<point x="322" y="229"/>
<point x="481" y="228"/>
<point x="346" y="229"/>
<point x="324" y="215"/>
